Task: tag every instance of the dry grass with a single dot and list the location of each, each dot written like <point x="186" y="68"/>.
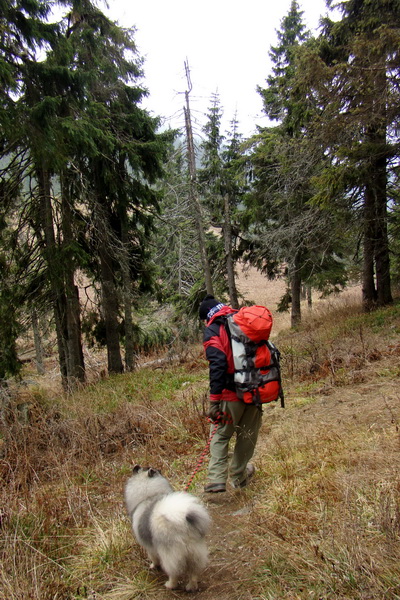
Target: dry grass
<point x="320" y="521"/>
<point x="332" y="510"/>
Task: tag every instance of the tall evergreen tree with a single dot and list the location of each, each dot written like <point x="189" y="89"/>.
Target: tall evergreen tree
<point x="279" y="103"/>
<point x="353" y="75"/>
<point x="285" y="227"/>
<point x="282" y="199"/>
<point x="93" y="156"/>
<point x="210" y="174"/>
<point x="217" y="179"/>
<point x="23" y="31"/>
<point x="175" y="248"/>
<point x="235" y="185"/>
<point x="121" y="161"/>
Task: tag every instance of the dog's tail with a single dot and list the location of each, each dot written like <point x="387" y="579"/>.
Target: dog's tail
<point x="198" y="520"/>
<point x="184" y="513"/>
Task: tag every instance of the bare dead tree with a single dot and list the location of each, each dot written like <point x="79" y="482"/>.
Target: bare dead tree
<point x="193" y="188"/>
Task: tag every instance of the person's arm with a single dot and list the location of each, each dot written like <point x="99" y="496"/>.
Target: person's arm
<point x="217" y="361"/>
<point x="217" y="371"/>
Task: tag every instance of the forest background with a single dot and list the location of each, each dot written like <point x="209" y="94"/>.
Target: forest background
<point x="114" y="230"/>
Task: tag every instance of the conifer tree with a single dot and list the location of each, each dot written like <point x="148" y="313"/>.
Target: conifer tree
<point x="353" y="75"/>
<point x="234" y="190"/>
<point x="23" y="30"/>
<point x="285" y="227"/>
<point x="174" y="241"/>
<point x="118" y="160"/>
<point x="274" y="152"/>
<point x="92" y="155"/>
<point x="279" y="103"/>
<point x="120" y="171"/>
<point x="217" y="178"/>
<point x="210" y="174"/>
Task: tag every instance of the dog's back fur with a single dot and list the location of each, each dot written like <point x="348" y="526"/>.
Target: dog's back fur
<point x="170" y="525"/>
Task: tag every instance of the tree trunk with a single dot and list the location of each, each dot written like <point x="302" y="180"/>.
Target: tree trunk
<point x="127" y="295"/>
<point x="382" y="260"/>
<point x="75" y="360"/>
<point x="368" y="280"/>
<point x="37" y="338"/>
<point x="129" y="341"/>
<point x="230" y="268"/>
<point x="309" y="296"/>
<point x="295" y="286"/>
<point x="54" y="269"/>
<point x="376" y="244"/>
<point x="110" y="307"/>
<point x="194" y="200"/>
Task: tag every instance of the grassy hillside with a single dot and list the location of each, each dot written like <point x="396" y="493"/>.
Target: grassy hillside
<point x="321" y="519"/>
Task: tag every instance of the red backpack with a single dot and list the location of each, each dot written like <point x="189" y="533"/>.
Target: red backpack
<point x="257" y="369"/>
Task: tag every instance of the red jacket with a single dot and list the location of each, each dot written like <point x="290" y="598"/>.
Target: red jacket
<point x="219" y="355"/>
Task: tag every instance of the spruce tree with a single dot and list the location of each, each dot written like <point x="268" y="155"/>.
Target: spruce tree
<point x="274" y="153"/>
<point x="353" y="76"/>
<point x="235" y="185"/>
<point x="119" y="160"/>
<point x="278" y="100"/>
<point x="285" y="227"/>
<point x="24" y="30"/>
<point x="174" y="241"/>
<point x="210" y="173"/>
<point x="280" y="105"/>
<point x="92" y="155"/>
<point x="218" y="189"/>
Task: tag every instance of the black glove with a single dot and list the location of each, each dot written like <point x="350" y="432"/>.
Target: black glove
<point x="214" y="412"/>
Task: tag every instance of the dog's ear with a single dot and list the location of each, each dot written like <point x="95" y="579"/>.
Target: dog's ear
<point x="136" y="469"/>
<point x="152" y="472"/>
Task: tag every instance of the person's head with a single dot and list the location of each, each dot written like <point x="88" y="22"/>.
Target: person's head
<point x="208" y="307"/>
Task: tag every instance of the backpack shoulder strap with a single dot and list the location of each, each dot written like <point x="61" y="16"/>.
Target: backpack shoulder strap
<point x="275" y="359"/>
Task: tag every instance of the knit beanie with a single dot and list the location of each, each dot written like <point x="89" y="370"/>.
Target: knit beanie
<point x="207" y="305"/>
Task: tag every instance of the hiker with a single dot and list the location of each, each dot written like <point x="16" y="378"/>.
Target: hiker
<point x="236" y="417"/>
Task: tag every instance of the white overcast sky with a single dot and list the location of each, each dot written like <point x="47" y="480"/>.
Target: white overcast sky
<point x="226" y="43"/>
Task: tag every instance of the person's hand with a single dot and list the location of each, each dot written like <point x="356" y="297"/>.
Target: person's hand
<point x="214" y="412"/>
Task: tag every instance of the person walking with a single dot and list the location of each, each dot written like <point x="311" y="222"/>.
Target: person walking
<point x="233" y="415"/>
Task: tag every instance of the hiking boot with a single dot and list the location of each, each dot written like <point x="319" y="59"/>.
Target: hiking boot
<point x="215" y="487"/>
<point x="250" y="470"/>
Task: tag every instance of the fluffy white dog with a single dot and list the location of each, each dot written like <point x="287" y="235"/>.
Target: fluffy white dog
<point x="170" y="525"/>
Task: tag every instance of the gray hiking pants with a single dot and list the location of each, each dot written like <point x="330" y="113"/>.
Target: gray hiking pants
<point x="246" y="424"/>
